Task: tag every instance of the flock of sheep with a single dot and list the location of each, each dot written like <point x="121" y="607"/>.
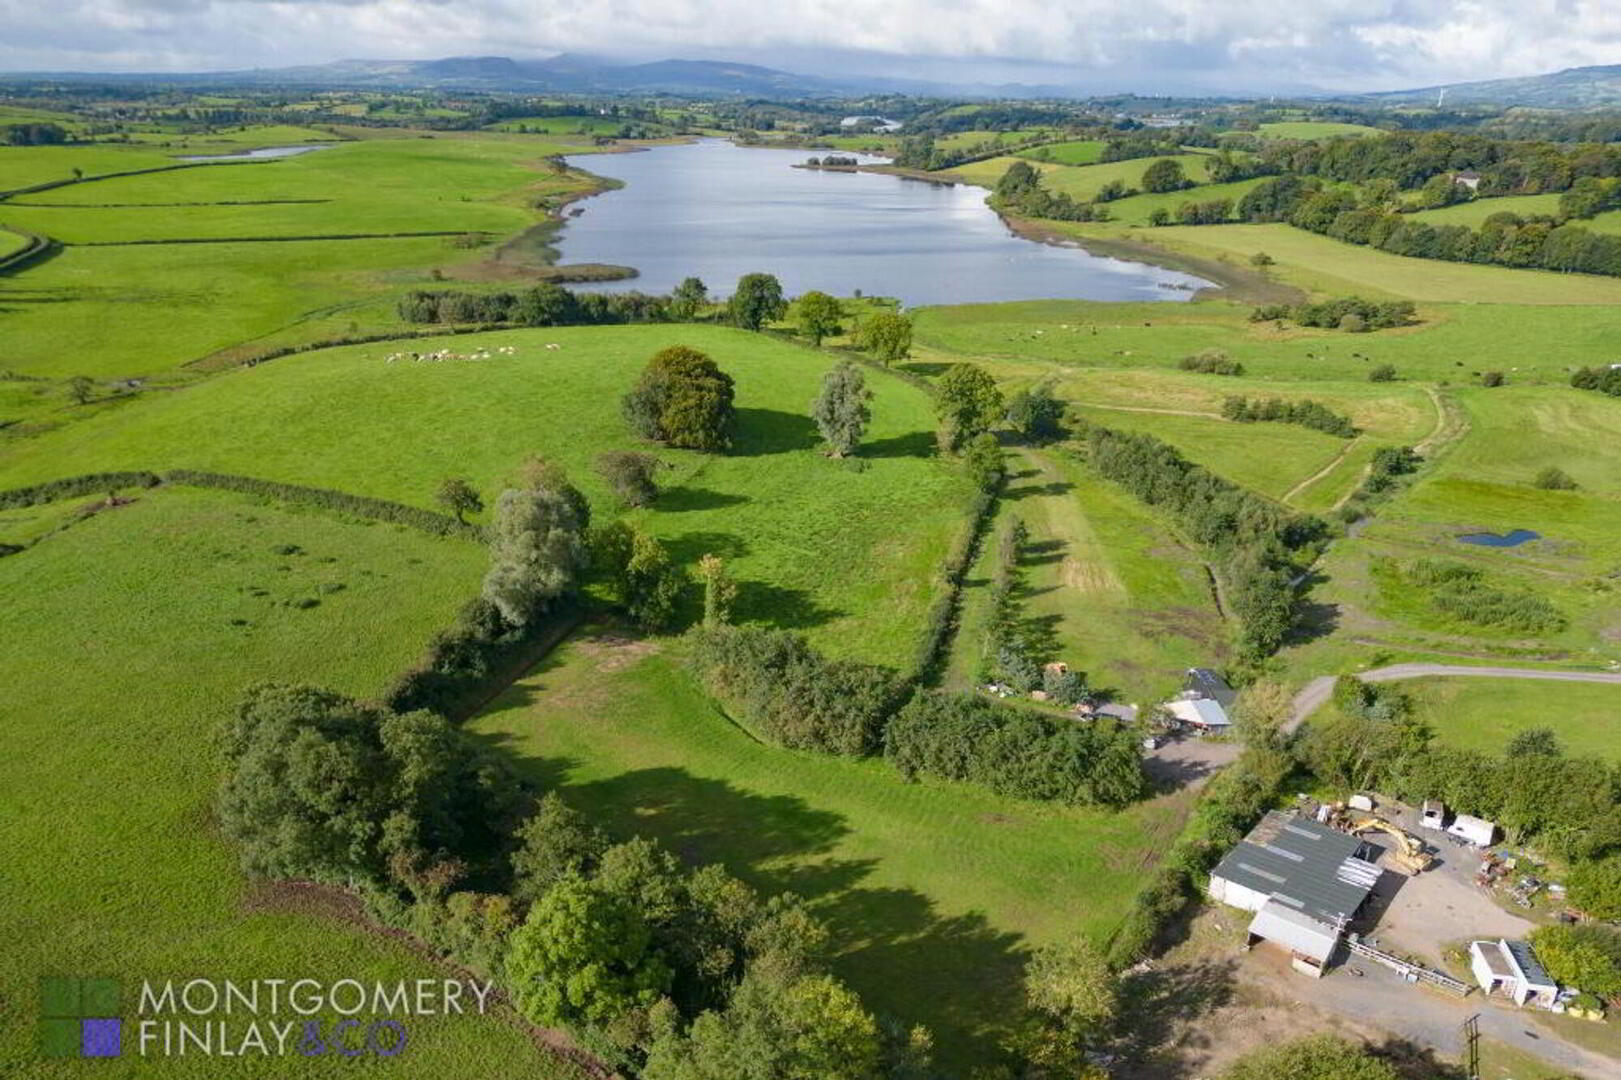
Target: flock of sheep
<point x="445" y="354"/>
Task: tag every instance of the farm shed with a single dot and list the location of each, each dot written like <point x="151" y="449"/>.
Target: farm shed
<point x="1433" y="815"/>
<point x="1305" y="881"/>
<point x="1475" y="830"/>
<point x="1311" y="942"/>
<point x="1203" y="713"/>
<point x="1205" y="684"/>
<point x="1510" y="969"/>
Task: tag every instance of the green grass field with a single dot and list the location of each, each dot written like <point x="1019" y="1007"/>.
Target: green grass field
<point x="932" y="890"/>
<point x="1321" y="264"/>
<point x="580" y="124"/>
<point x="813" y="541"/>
<point x="1080" y="182"/>
<point x="1137" y="209"/>
<point x="1484" y="714"/>
<point x="1122" y="599"/>
<point x="1312" y="129"/>
<point x="125" y="654"/>
<point x="147" y="308"/>
<point x="1080" y="152"/>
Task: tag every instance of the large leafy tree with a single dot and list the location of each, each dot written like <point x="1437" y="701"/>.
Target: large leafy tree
<point x="1036" y="414"/>
<point x="840" y="409"/>
<point x="320" y="786"/>
<point x="887" y="335"/>
<point x="682" y="399"/>
<point x="688" y="299"/>
<point x="584" y="957"/>
<point x="459" y="497"/>
<point x="756" y="301"/>
<point x="554" y="843"/>
<point x="537" y="544"/>
<point x="652" y="584"/>
<point x="1070" y="982"/>
<point x="968" y="404"/>
<point x="1165" y="174"/>
<point x="818" y="315"/>
<point x="806" y="1028"/>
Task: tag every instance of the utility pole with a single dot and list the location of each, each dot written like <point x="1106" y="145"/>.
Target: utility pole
<point x="1471" y="1037"/>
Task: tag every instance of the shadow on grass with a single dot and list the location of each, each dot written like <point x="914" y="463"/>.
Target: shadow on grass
<point x="924" y="368"/>
<point x="912" y="444"/>
<point x="1313" y="620"/>
<point x="689" y="547"/>
<point x="683" y="499"/>
<point x="772" y="431"/>
<point x="786" y="609"/>
<point x="889" y="944"/>
<point x="1167" y="1021"/>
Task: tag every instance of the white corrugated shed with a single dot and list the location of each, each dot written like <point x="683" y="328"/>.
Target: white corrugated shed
<point x="1296" y="931"/>
<point x="1204" y="712"/>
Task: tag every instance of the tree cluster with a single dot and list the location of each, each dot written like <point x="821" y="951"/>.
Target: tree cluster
<point x="1208" y="212"/>
<point x="1306" y="413"/>
<point x="1587" y="955"/>
<point x="33" y="135"/>
<point x="791" y="694"/>
<point x="1016" y="751"/>
<point x="1020" y="191"/>
<point x="1350" y="313"/>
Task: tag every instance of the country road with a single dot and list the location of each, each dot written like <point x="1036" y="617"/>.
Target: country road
<point x="1313" y="694"/>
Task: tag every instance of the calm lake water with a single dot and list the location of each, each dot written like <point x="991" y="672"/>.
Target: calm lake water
<point x="261" y="153"/>
<point x="719" y="211"/>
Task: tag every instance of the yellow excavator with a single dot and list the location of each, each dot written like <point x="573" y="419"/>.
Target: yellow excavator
<point x="1409" y="853"/>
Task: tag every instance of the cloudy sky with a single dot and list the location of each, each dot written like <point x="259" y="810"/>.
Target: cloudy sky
<point x="1240" y="45"/>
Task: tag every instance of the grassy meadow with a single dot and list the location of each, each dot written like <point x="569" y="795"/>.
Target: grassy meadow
<point x="1079" y="152"/>
<point x="124" y="298"/>
<point x="138" y="627"/>
<point x="813" y="540"/>
<point x="1081" y="182"/>
<point x="929" y="885"/>
<point x="1484" y="714"/>
<point x="1312" y="129"/>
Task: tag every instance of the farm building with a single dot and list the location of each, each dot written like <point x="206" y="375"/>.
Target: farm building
<point x="1474" y="830"/>
<point x="1203" y="713"/>
<point x="1468" y="179"/>
<point x="1433" y="815"/>
<point x="1510" y="969"/>
<point x="1304" y="881"/>
<point x="1205" y="684"/>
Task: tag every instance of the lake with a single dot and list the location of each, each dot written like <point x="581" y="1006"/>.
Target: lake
<point x="260" y="154"/>
<point x="719" y="211"/>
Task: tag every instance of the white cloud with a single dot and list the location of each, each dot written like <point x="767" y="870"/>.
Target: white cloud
<point x="1350" y="44"/>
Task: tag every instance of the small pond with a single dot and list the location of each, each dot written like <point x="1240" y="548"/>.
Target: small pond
<point x="1500" y="540"/>
<point x="259" y="154"/>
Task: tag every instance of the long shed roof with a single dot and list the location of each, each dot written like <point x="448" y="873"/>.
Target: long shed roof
<point x="1306" y="866"/>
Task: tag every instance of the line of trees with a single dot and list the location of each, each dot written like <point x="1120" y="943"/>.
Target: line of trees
<point x="1258" y="546"/>
<point x="1306" y="413"/>
<point x="1017" y="752"/>
<point x="1211" y="362"/>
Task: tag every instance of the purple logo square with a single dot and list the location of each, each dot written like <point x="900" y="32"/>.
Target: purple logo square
<point x="100" y="1038"/>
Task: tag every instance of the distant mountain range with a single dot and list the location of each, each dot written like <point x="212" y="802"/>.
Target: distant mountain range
<point x="1573" y="88"/>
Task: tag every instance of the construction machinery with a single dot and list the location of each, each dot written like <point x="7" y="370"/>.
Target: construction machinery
<point x="1409" y="853"/>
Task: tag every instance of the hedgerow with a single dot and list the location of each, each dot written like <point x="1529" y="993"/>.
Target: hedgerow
<point x="359" y="505"/>
<point x="73" y="486"/>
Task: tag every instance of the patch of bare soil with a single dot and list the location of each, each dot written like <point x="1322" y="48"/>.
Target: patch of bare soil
<point x="611" y="650"/>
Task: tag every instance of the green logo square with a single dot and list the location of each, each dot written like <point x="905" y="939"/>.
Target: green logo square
<point x="99" y="997"/>
<point x="59" y="1038"/>
<point x="59" y="997"/>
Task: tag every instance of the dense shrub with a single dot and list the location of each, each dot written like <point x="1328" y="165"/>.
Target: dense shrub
<point x="70" y="487"/>
<point x="1606" y="380"/>
<point x="1306" y="413"/>
<point x="1586" y="956"/>
<point x="341" y="501"/>
<point x="1211" y="362"/>
<point x="682" y="399"/>
<point x="461" y="663"/>
<point x="1461" y="591"/>
<point x="1333" y="314"/>
<point x="792" y="694"/>
<point x="1016" y="752"/>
